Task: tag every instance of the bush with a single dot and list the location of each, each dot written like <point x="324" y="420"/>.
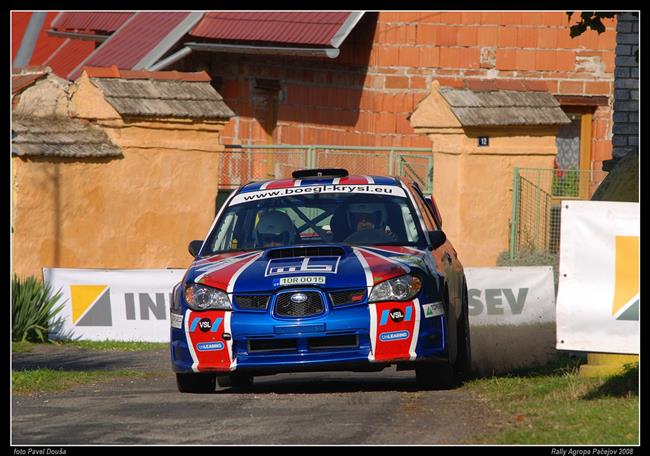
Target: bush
<point x="32" y="309"/>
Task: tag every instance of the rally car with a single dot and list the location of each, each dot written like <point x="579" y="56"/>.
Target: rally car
<point x="323" y="271"/>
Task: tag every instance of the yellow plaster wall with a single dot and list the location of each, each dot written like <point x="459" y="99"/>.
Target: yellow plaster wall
<point x="139" y="211"/>
<point x="472" y="185"/>
<point x="136" y="211"/>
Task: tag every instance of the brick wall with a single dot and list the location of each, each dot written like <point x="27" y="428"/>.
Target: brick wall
<point x="387" y="65"/>
<point x="626" y="87"/>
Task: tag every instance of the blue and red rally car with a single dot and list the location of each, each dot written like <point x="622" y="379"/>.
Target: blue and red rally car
<point x="323" y="271"/>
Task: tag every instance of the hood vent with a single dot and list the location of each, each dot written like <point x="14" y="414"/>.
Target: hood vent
<point x="293" y="252"/>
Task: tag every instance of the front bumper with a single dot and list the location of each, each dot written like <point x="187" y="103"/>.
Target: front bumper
<point x="359" y="337"/>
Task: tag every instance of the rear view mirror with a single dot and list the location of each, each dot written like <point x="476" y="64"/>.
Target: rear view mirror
<point x="195" y="247"/>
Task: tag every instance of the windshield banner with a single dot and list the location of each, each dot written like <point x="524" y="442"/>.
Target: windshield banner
<point x="389" y="190"/>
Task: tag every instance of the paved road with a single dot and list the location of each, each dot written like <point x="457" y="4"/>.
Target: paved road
<point x="298" y="409"/>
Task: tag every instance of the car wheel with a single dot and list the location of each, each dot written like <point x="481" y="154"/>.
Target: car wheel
<point x="464" y="354"/>
<point x="196" y="383"/>
<point x="237" y="380"/>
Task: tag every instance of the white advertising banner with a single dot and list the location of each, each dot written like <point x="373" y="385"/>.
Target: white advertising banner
<point x="115" y="304"/>
<point x="510" y="295"/>
<point x="598" y="296"/>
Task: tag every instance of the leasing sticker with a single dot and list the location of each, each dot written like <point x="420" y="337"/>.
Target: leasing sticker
<point x="305" y="280"/>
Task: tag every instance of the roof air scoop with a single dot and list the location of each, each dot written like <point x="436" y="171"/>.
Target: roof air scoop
<point x="324" y="172"/>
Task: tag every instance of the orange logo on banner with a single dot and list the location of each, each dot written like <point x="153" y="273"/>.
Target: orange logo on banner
<point x="626" y="291"/>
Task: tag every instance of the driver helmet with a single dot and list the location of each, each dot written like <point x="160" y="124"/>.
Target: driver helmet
<point x="275" y="227"/>
<point x="366" y="211"/>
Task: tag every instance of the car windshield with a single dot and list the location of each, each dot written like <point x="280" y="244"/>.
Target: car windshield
<point x="316" y="218"/>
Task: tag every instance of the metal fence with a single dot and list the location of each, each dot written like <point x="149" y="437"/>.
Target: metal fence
<point x="242" y="164"/>
<point x="536" y="205"/>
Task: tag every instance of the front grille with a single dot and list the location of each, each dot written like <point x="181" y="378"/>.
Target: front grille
<point x="262" y="345"/>
<point x="252" y="302"/>
<point x="284" y="307"/>
<point x="322" y="343"/>
<point x="340" y="298"/>
<point x="293" y="252"/>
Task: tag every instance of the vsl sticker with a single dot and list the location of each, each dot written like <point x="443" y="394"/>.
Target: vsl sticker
<point x="176" y="320"/>
<point x="323" y="265"/>
<point x="209" y="346"/>
<point x="205" y="324"/>
<point x="394" y="335"/>
<point x="304" y="280"/>
<point x="434" y="309"/>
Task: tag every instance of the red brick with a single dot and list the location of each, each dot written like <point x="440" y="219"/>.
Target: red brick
<point x="607" y="40"/>
<point x="426" y="34"/>
<point x="510" y="18"/>
<point x="532" y="85"/>
<point x="449" y="58"/>
<point x="598" y="88"/>
<point x="531" y="18"/>
<point x="487" y="36"/>
<point x="546" y="60"/>
<point x="588" y="40"/>
<point x="468" y="36"/>
<point x="431" y="18"/>
<point x="527" y="37"/>
<point x="386" y="123"/>
<point x="451" y="17"/>
<point x="451" y="82"/>
<point x="506" y="36"/>
<point x="609" y="61"/>
<point x="402" y="126"/>
<point x="430" y="57"/>
<point x="571" y="87"/>
<point x="490" y="18"/>
<point x="409" y="56"/>
<point x="416" y="82"/>
<point x="447" y="36"/>
<point x="557" y="18"/>
<point x="564" y="40"/>
<point x="510" y="84"/>
<point x="525" y="60"/>
<point x="469" y="17"/>
<point x="552" y="86"/>
<point x="481" y="84"/>
<point x="506" y="59"/>
<point x="388" y="56"/>
<point x="547" y="38"/>
<point x="566" y="60"/>
<point x="470" y="57"/>
<point x="397" y="82"/>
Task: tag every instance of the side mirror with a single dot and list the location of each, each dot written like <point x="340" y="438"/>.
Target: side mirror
<point x="434" y="210"/>
<point x="194" y="247"/>
<point x="438" y="237"/>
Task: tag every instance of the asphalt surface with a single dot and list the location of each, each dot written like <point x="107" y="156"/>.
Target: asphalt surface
<point x="337" y="408"/>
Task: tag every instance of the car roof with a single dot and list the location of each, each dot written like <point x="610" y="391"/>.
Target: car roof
<point x="347" y="180"/>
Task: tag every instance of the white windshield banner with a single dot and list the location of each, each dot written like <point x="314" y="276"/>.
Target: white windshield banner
<point x="386" y="190"/>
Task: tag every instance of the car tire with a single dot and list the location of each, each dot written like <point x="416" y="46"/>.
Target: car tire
<point x="196" y="383"/>
<point x="237" y="380"/>
<point x="463" y="365"/>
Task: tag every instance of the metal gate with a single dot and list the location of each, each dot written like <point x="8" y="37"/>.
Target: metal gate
<point x="242" y="164"/>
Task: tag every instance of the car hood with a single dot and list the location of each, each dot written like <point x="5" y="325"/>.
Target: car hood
<point x="328" y="266"/>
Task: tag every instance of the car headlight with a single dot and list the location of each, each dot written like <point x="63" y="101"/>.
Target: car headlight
<point x="400" y="288"/>
<point x="200" y="297"/>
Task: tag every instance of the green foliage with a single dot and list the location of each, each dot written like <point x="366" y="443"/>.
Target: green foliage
<point x="33" y="306"/>
<point x="568" y="184"/>
<point x="590" y="19"/>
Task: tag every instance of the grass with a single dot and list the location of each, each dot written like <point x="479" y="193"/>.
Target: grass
<point x="552" y="405"/>
<point x="105" y="345"/>
<point x="51" y="380"/>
